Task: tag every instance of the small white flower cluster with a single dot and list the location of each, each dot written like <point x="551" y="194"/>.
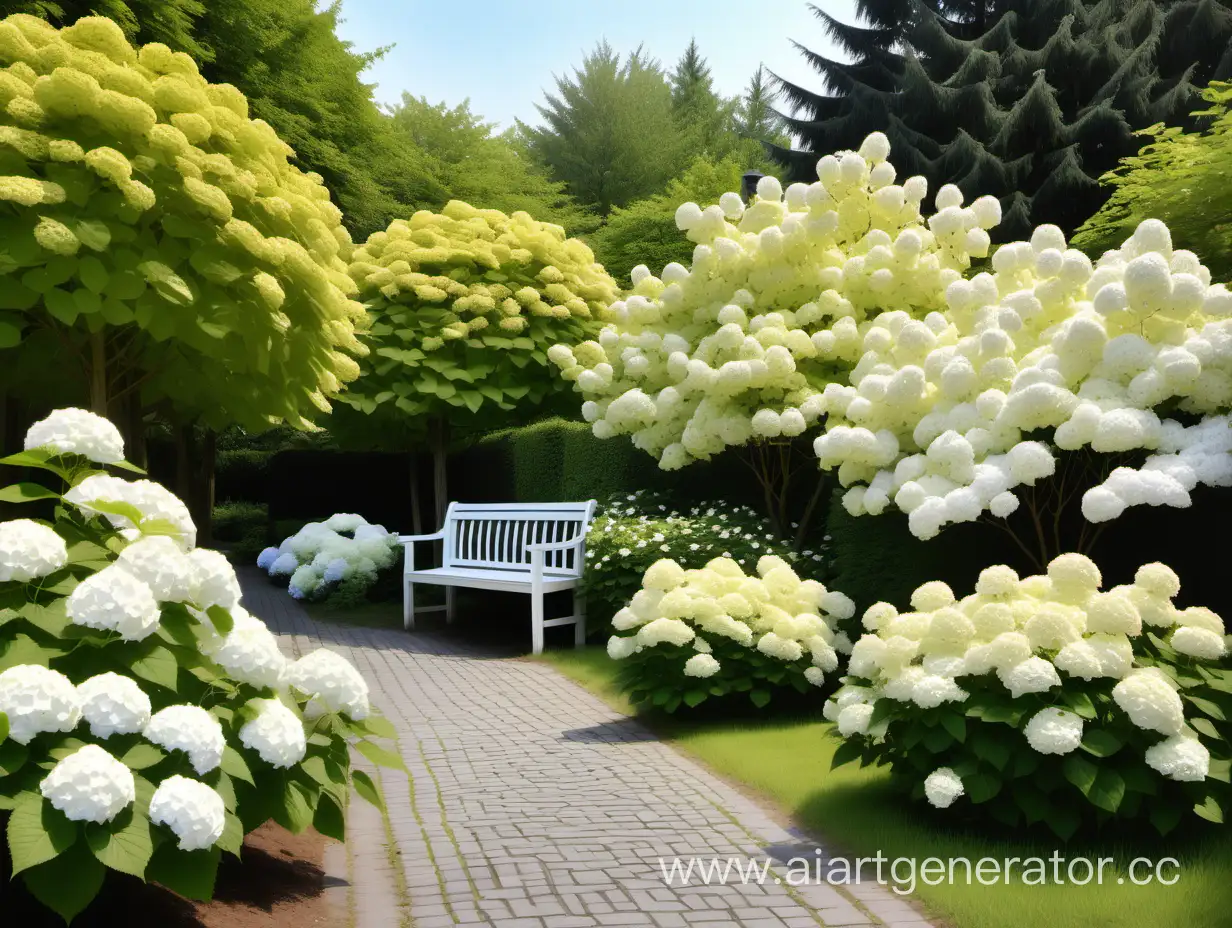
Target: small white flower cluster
<point x="192" y="730"/>
<point x="77" y="431"/>
<point x="937" y="412"/>
<point x="333" y="684"/>
<point x="194" y="812"/>
<point x="37" y="700"/>
<point x="29" y="550"/>
<point x="729" y="350"/>
<point x="1036" y="634"/>
<point x="249" y="652"/>
<point x="323" y="554"/>
<point x="113" y="704"/>
<point x="773" y="611"/>
<point x="90" y="786"/>
<point x="153" y="501"/>
<point x="275" y="732"/>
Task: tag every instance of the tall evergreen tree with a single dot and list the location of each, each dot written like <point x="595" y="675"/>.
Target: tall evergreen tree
<point x="609" y="131"/>
<point x="755" y="116"/>
<point x="1031" y="100"/>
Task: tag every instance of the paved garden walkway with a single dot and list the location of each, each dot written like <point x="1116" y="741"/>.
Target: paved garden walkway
<point x="532" y="804"/>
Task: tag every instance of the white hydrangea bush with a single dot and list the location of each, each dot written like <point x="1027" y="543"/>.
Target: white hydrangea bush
<point x="343" y="555"/>
<point x="1128" y="360"/>
<point x="739" y="346"/>
<point x="1046" y="699"/>
<point x="713" y="631"/>
<point x="138" y="698"/>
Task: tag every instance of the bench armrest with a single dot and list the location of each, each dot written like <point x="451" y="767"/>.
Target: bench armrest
<point x="556" y="545"/>
<point x="409" y="539"/>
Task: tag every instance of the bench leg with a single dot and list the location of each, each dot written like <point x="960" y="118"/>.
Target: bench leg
<point x="579" y="610"/>
<point x="408" y="605"/>
<point x="449" y="604"/>
<point x="536" y="621"/>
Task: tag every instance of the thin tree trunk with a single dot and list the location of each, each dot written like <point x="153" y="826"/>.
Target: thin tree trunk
<point x="438" y="437"/>
<point x="416" y="508"/>
<point x="98" y="373"/>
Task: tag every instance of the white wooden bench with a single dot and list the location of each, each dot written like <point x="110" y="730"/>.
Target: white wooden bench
<point x="532" y="548"/>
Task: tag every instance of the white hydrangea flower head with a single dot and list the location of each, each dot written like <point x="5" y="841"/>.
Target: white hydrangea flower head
<point x="267" y="557"/>
<point x="1181" y="757"/>
<point x="216" y="583"/>
<point x="29" y="550"/>
<point x="276" y="733"/>
<point x="815" y="675"/>
<point x="115" y="600"/>
<point x="701" y="665"/>
<point x="942" y="787"/>
<point x="89" y="785"/>
<point x="1150" y="701"/>
<point x="1054" y="731"/>
<point x="1034" y="675"/>
<point x="854" y="719"/>
<point x="113" y="704"/>
<point x="36" y="700"/>
<point x="193" y="811"/>
<point x="1201" y="643"/>
<point x="153" y="501"/>
<point x="671" y="631"/>
<point x="331" y="681"/>
<point x="77" y="431"/>
<point x="160" y="564"/>
<point x="250" y="654"/>
<point x="192" y="730"/>
<point x="619" y="648"/>
<point x="345" y="522"/>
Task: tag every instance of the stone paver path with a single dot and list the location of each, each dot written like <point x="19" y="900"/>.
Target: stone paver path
<point x="532" y="804"/>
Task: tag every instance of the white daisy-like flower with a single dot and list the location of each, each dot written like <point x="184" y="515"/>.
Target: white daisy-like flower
<point x="29" y="550"/>
<point x="194" y="812"/>
<point x="276" y="733"/>
<point x="89" y="786"/>
<point x="77" y="431"/>
<point x="36" y="700"/>
<point x="114" y="600"/>
<point x="113" y="705"/>
<point x="157" y="561"/>
<point x="192" y="730"/>
<point x="331" y="681"/>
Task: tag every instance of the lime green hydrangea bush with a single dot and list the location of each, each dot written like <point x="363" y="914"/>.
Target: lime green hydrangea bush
<point x="630" y="531"/>
<point x="163" y="232"/>
<point x="1045" y="701"/>
<point x="715" y="631"/>
<point x="465" y="304"/>
<point x="147" y="720"/>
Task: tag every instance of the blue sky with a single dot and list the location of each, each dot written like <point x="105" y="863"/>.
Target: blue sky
<point x="502" y="55"/>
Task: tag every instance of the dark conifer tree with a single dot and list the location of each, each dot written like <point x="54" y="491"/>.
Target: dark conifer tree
<point x="1030" y="100"/>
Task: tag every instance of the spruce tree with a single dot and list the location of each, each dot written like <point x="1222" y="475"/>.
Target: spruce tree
<point x="1031" y="100"/>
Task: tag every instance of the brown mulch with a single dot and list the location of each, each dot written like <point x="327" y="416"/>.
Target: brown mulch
<point x="279" y="883"/>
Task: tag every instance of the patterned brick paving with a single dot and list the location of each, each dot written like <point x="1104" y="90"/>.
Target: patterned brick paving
<point x="532" y="804"/>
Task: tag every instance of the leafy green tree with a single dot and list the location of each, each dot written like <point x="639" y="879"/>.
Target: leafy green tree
<point x="609" y="131"/>
<point x="645" y="232"/>
<point x="755" y="117"/>
<point x="159" y="253"/>
<point x="471" y="163"/>
<point x="704" y="116"/>
<point x="1181" y="178"/>
<point x="465" y="304"/>
<point x="1030" y="100"/>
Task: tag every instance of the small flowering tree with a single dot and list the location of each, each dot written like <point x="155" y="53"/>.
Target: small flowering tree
<point x="465" y="304"/>
<point x="735" y="351"/>
<point x="762" y="632"/>
<point x="345" y="552"/>
<point x="147" y="721"/>
<point x="1046" y="700"/>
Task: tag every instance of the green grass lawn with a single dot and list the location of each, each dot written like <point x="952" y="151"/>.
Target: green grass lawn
<point x="788" y="761"/>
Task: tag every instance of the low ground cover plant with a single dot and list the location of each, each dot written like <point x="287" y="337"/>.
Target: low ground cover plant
<point x="689" y="635"/>
<point x="147" y="720"/>
<point x="1045" y="700"/>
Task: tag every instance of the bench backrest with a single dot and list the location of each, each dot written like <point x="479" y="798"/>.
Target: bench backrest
<point x="495" y="535"/>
